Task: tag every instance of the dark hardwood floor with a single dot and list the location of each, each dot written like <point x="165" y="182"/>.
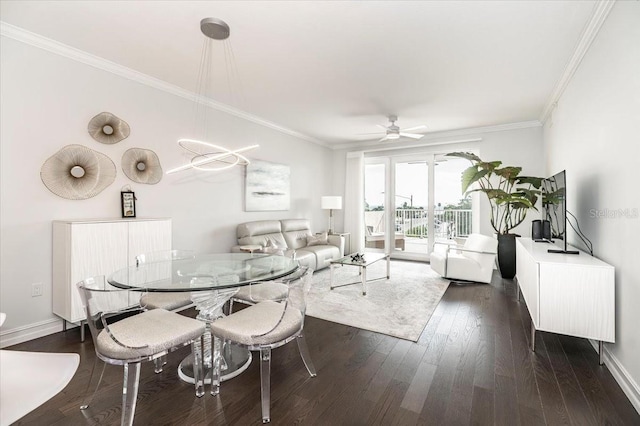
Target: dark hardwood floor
<point x="471" y="365"/>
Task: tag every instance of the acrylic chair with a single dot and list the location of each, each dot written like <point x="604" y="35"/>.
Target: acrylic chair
<point x="176" y="301"/>
<point x="262" y="327"/>
<point x="267" y="290"/>
<point x="162" y="300"/>
<point x="124" y="335"/>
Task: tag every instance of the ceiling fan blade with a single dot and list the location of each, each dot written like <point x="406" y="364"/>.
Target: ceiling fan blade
<point x="384" y="138"/>
<point x="411" y="135"/>
<point x="366" y="134"/>
<point x="411" y="129"/>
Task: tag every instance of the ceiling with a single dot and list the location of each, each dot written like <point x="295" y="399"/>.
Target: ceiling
<point x="333" y="70"/>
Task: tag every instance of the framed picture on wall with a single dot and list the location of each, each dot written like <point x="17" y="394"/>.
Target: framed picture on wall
<point x="128" y="203"/>
<point x="267" y="186"/>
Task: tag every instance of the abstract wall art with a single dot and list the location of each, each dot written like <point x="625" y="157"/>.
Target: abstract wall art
<point x="267" y="187"/>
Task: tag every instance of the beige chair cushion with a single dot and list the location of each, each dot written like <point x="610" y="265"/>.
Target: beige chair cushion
<point x="168" y="301"/>
<point x="260" y="292"/>
<point x="158" y="329"/>
<point x="258" y="319"/>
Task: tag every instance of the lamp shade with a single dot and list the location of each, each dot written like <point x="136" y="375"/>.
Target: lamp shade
<point x="333" y="202"/>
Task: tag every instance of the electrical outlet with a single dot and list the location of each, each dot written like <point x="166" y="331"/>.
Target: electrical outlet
<point x="36" y="289"/>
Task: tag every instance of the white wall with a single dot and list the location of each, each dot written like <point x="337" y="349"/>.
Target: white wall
<point x="516" y="147"/>
<point x="47" y="102"/>
<point x="593" y="134"/>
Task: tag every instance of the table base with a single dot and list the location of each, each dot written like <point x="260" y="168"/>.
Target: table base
<point x="236" y="357"/>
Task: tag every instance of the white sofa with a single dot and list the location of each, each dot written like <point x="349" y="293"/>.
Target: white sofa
<point x="289" y="235"/>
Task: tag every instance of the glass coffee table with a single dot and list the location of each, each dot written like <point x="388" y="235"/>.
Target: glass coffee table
<point x="368" y="260"/>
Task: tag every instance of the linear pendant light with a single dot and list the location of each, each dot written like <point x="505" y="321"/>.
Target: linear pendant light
<point x="208" y="156"/>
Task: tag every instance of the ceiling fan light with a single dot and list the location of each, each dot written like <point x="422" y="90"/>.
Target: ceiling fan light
<point x="393" y="136"/>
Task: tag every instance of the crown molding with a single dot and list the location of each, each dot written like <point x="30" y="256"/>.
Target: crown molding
<point x="434" y="138"/>
<point x="598" y="17"/>
<point x="36" y="40"/>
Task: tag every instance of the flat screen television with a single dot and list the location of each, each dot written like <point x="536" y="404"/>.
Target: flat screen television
<point x="554" y="209"/>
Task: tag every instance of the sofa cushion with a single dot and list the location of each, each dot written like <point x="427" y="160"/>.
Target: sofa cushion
<point x="272" y="248"/>
<point x="262" y="232"/>
<point x="295" y="232"/>
<point x="317" y="240"/>
<point x="306" y="258"/>
<point x="323" y="254"/>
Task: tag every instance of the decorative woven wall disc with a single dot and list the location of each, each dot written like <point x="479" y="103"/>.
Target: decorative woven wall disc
<point x="142" y="166"/>
<point x="77" y="172"/>
<point x="107" y="128"/>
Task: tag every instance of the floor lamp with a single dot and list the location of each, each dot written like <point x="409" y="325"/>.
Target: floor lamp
<point x="331" y="203"/>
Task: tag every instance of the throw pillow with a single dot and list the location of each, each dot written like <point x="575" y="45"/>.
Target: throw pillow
<point x="318" y="239"/>
<point x="272" y="248"/>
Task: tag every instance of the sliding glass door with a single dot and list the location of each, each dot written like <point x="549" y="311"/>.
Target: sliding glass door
<point x="452" y="210"/>
<point x="412" y="202"/>
<point x="375" y="220"/>
<point x="411" y="206"/>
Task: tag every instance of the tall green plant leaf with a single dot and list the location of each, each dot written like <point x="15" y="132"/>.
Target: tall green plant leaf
<point x="492" y="193"/>
<point x="536" y="182"/>
<point x="530" y="194"/>
<point x="470" y="176"/>
<point x="510" y="198"/>
<point x="510" y="173"/>
<point x="489" y="165"/>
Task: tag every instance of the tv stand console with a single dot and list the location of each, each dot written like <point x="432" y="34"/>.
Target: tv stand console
<point x="566" y="294"/>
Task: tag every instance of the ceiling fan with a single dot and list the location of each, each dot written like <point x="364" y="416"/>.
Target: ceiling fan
<point x="393" y="132"/>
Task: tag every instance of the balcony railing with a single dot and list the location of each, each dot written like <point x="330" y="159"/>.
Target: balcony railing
<point x="413" y="222"/>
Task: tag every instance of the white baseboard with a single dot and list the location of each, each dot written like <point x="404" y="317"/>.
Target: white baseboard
<point x="29" y="332"/>
<point x="622" y="376"/>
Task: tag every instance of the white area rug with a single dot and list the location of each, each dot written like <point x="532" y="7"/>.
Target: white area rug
<point x="400" y="306"/>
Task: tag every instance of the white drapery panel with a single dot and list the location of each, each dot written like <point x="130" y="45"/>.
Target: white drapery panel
<point x="354" y="200"/>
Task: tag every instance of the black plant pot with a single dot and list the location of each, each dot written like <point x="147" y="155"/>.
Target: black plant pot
<point x="507" y="255"/>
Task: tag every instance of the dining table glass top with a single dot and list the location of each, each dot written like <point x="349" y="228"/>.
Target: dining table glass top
<point x="204" y="272"/>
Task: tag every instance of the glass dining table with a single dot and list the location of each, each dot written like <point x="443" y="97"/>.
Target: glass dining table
<point x="212" y="279"/>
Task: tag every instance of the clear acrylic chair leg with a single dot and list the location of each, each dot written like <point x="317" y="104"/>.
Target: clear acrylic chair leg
<point x="130" y="392"/>
<point x="94" y="382"/>
<point x="265" y="383"/>
<point x="198" y="370"/>
<point x="304" y="353"/>
<point x="216" y="365"/>
<point x="159" y="363"/>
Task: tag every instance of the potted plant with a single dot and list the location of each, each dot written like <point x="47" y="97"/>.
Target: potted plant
<point x="510" y="195"/>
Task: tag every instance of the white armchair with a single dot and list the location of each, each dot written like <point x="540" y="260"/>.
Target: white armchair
<point x="473" y="261"/>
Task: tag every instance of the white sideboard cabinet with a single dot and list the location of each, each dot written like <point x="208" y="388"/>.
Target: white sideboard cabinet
<point x="82" y="249"/>
<point x="566" y="293"/>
